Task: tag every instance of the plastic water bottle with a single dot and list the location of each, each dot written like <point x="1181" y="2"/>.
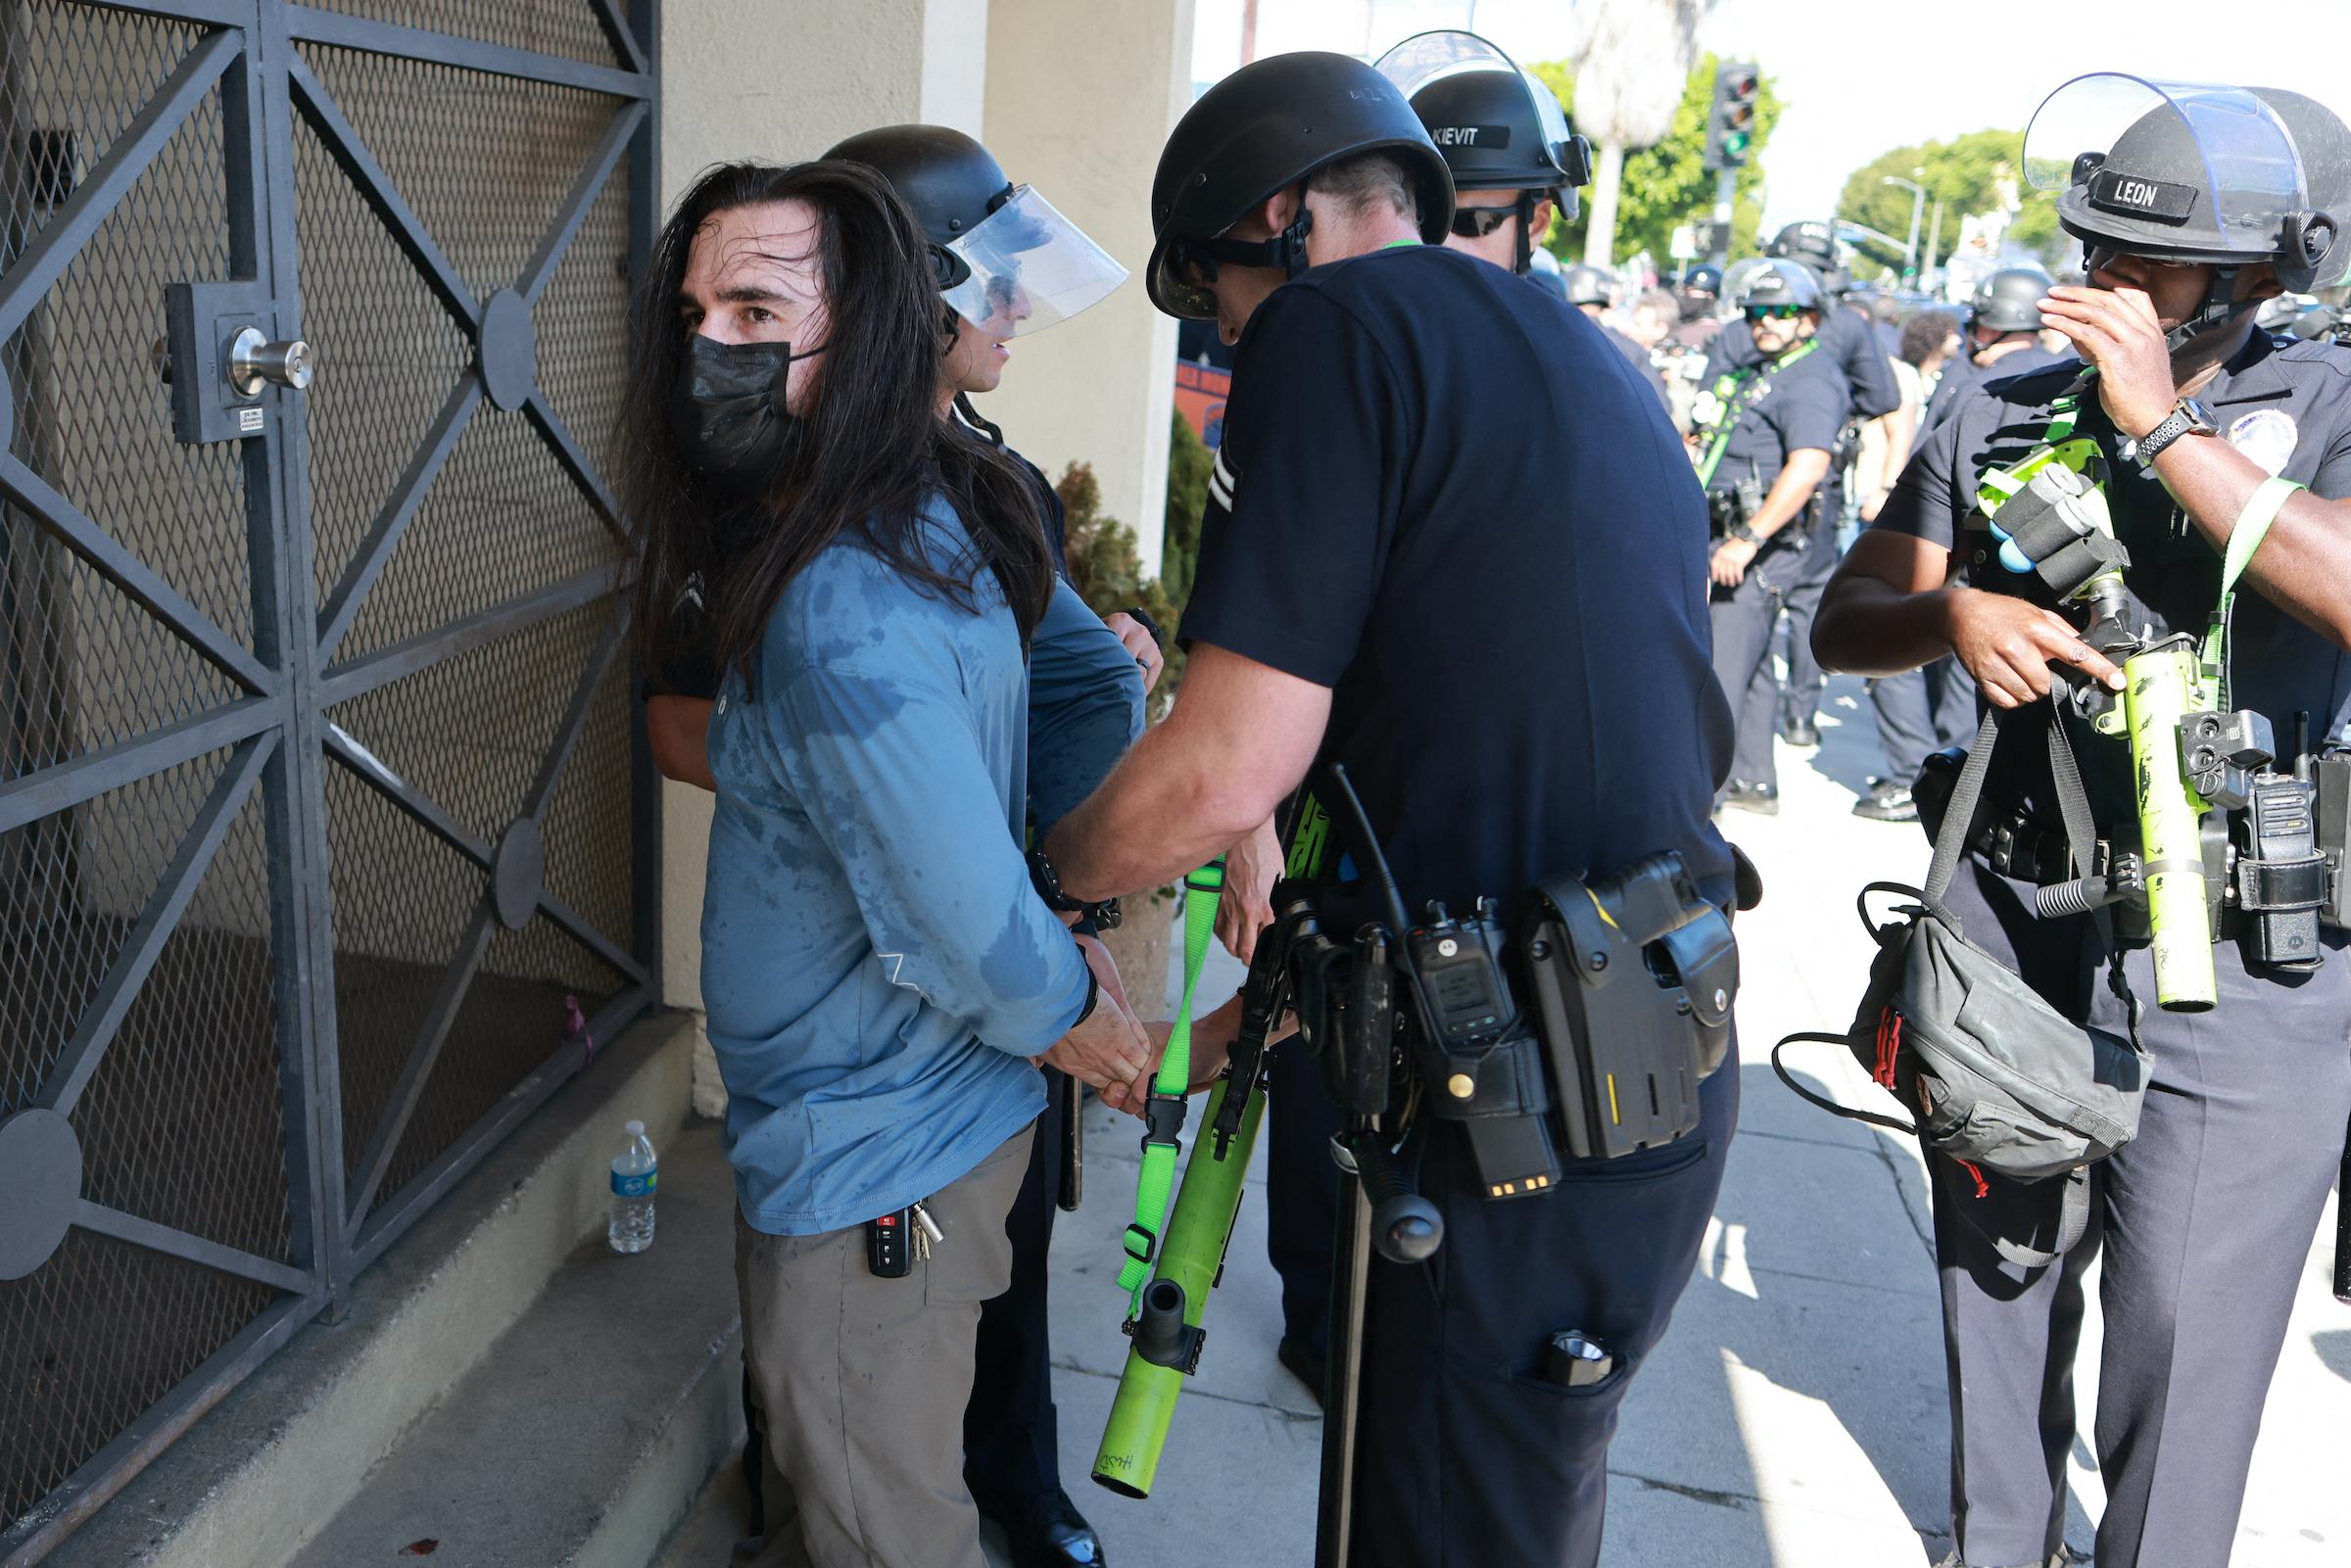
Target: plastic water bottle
<point x="636" y="1179"/>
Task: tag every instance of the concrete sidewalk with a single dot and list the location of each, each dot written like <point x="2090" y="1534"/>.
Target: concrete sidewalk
<point x="1796" y="1414"/>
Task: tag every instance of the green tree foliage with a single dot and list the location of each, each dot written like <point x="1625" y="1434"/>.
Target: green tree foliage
<point x="1966" y="174"/>
<point x="1190" y="462"/>
<point x="1666" y="185"/>
<point x="1107" y="570"/>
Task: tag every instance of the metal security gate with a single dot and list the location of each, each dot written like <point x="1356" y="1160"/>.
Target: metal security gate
<point x="325" y="834"/>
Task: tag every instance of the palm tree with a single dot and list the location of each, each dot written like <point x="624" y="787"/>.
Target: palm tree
<point x="1632" y="63"/>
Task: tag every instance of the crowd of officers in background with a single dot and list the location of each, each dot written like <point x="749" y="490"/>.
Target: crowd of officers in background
<point x="1896" y="362"/>
<point x="933" y="779"/>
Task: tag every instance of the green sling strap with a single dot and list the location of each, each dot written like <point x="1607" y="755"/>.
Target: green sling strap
<point x="1736" y="393"/>
<point x="1164" y="1108"/>
<point x="2252" y="526"/>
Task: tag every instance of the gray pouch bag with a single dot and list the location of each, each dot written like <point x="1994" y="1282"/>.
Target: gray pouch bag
<point x="1997" y="1079"/>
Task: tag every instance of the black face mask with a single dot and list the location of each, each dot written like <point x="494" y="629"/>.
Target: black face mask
<point x="727" y="412"/>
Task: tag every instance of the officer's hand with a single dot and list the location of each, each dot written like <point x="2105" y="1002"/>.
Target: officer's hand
<point x="1212" y="1035"/>
<point x="1730" y="561"/>
<point x="1108" y="1049"/>
<point x="2118" y="331"/>
<point x="1246" y="905"/>
<point x="1212" y="1050"/>
<point x="2008" y="645"/>
<point x="1140" y="643"/>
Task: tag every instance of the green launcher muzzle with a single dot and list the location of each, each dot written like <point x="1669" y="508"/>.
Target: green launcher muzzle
<point x="1166" y="1326"/>
<point x="2160" y="689"/>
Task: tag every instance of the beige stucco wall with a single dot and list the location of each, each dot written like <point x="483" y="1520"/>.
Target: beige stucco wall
<point x="1075" y="96"/>
<point x="1081" y="97"/>
<point x="753" y="78"/>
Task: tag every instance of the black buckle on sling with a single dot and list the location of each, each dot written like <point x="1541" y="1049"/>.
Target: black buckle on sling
<point x="1163" y="1121"/>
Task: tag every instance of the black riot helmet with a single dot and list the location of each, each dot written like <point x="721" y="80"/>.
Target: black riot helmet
<point x="949" y="181"/>
<point x="2009" y="299"/>
<point x="1706" y="279"/>
<point x="1263" y="129"/>
<point x="1587" y="285"/>
<point x="1780" y="281"/>
<point x="1498" y="127"/>
<point x="2195" y="172"/>
<point x="1006" y="261"/>
<point x="1811" y="242"/>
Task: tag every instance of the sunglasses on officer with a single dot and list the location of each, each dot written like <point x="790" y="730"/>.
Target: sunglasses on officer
<point x="1476" y="222"/>
<point x="1774" y="312"/>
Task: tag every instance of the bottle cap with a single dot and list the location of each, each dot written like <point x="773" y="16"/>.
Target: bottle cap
<point x="636" y="1128"/>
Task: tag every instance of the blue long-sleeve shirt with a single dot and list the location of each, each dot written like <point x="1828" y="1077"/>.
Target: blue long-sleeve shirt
<point x="876" y="967"/>
<point x="1086" y="706"/>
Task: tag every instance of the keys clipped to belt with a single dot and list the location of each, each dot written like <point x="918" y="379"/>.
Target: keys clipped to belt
<point x="895" y="1241"/>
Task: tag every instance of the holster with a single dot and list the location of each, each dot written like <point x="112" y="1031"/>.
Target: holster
<point x="1631" y="981"/>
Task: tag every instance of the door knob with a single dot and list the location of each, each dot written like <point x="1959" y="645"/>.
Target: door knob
<point x="253" y="359"/>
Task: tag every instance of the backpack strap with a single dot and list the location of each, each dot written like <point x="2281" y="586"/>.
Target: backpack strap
<point x="2073" y="1223"/>
<point x="1822" y="1100"/>
<point x="1958" y="817"/>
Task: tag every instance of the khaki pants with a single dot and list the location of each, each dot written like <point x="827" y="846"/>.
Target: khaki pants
<point x="864" y="1380"/>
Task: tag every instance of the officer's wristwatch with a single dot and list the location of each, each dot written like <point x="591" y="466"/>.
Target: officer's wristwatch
<point x="2187" y="416"/>
<point x="1048" y="881"/>
<point x="1742" y="534"/>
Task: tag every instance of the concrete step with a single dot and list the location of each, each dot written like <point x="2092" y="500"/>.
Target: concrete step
<point x="253" y="1480"/>
<point x="706" y="1536"/>
<point x="582" y="1437"/>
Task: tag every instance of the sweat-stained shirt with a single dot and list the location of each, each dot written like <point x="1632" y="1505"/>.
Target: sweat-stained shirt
<point x="877" y="969"/>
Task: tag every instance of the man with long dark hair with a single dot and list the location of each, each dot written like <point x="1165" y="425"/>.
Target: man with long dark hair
<point x="880" y="977"/>
<point x="1087" y="677"/>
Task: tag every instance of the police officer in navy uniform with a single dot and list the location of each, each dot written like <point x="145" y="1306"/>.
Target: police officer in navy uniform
<point x="1848" y="341"/>
<point x="1700" y="291"/>
<point x="2193" y="204"/>
<point x="1087" y="678"/>
<point x="1394" y="577"/>
<point x="2003" y="336"/>
<point x="1764" y="436"/>
<point x="1517" y="162"/>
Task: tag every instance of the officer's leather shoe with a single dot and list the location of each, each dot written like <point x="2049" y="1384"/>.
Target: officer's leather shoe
<point x="1762" y="799"/>
<point x="1888" y="800"/>
<point x="1055" y="1534"/>
<point x="1303" y="1365"/>
<point x="1803" y="734"/>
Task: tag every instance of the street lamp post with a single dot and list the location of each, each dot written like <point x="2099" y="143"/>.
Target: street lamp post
<point x="1918" y="206"/>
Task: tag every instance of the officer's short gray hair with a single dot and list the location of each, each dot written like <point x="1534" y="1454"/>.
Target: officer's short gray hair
<point x="1365" y="183"/>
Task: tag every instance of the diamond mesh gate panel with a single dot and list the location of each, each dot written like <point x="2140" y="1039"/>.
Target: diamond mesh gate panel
<point x="502" y="521"/>
<point x="201" y="815"/>
<point x="180" y="1122"/>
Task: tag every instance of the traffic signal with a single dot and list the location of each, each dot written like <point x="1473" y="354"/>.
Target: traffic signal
<point x="1731" y="121"/>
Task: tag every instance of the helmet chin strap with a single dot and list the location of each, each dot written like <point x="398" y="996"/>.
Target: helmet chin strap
<point x="1285" y="251"/>
<point x="2220" y="308"/>
<point x="1526" y="262"/>
<point x="993" y="435"/>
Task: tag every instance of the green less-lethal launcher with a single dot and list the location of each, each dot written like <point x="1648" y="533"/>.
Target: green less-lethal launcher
<point x="1189" y="1260"/>
<point x="2160" y="687"/>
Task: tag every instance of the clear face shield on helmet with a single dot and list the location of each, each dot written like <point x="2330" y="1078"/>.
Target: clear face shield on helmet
<point x="1027" y="268"/>
<point x="1426" y="56"/>
<point x="2184" y="172"/>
